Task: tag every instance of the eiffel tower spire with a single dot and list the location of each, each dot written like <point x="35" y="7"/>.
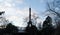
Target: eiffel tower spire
<point x="29" y="14"/>
<point x="30" y="22"/>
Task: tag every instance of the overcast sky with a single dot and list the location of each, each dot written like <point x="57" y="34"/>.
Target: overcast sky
<point x="16" y="10"/>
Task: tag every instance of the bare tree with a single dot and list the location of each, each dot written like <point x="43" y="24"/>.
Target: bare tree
<point x="54" y="8"/>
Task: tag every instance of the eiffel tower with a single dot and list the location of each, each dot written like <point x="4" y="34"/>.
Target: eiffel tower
<point x="30" y="22"/>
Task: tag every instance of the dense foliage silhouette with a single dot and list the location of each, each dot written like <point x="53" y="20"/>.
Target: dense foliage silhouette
<point x="11" y="28"/>
<point x="47" y="26"/>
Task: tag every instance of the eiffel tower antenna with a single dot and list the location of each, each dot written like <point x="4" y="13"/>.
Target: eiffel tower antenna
<point x="30" y="22"/>
<point x="29" y="14"/>
<point x="29" y="11"/>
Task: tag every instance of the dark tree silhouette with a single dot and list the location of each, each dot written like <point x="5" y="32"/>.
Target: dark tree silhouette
<point x="47" y="26"/>
<point x="32" y="30"/>
<point x="47" y="22"/>
<point x="11" y="28"/>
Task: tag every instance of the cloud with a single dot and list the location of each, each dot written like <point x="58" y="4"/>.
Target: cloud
<point x="9" y="6"/>
<point x="10" y="3"/>
<point x="19" y="1"/>
<point x="14" y="14"/>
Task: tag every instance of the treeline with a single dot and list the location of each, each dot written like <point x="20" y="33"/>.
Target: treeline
<point x="47" y="29"/>
<point x="9" y="29"/>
